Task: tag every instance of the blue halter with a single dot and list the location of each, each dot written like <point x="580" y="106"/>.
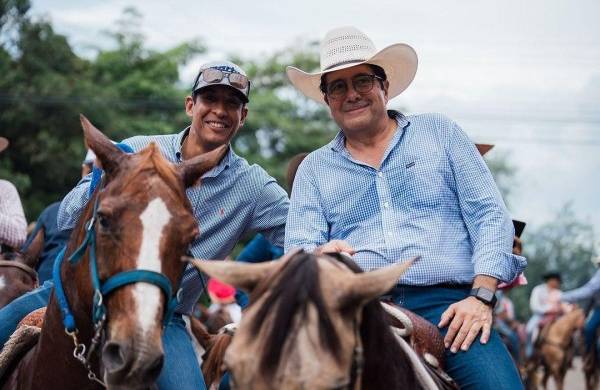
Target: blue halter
<point x="101" y="290"/>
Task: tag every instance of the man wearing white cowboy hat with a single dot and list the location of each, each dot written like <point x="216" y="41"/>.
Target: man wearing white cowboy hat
<point x="13" y="226"/>
<point x="389" y="187"/>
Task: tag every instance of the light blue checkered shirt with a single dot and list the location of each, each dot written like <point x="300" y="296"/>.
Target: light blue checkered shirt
<point x="433" y="196"/>
<point x="234" y="198"/>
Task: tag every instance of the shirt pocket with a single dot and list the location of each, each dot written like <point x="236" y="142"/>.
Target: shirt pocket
<point x="423" y="184"/>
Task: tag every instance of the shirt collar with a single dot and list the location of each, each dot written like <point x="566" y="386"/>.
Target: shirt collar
<point x="338" y="143"/>
<point x="214" y="172"/>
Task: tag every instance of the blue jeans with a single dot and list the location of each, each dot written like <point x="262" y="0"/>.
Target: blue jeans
<point x="482" y="366"/>
<point x="590" y="329"/>
<point x="180" y="369"/>
<point x="511" y="337"/>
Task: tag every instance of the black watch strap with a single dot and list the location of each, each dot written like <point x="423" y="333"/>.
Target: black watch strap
<point x="485" y="295"/>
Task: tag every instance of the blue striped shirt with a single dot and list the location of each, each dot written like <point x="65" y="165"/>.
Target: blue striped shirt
<point x="234" y="198"/>
<point x="433" y="196"/>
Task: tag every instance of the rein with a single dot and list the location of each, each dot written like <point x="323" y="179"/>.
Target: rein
<point x="101" y="290"/>
<point x="27" y="269"/>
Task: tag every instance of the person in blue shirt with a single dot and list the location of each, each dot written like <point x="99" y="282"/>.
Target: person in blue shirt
<point x="590" y="290"/>
<point x="235" y="198"/>
<point x="389" y="187"/>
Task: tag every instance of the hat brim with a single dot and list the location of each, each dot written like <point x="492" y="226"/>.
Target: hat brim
<point x="484" y="148"/>
<point x="3" y="144"/>
<point x="399" y="62"/>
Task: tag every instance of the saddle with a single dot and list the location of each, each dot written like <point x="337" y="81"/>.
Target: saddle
<point x="424" y="339"/>
<point x="22" y="340"/>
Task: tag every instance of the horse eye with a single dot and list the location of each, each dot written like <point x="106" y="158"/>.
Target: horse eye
<point x="103" y="221"/>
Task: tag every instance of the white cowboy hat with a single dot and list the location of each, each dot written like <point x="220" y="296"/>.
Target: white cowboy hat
<point x="345" y="47"/>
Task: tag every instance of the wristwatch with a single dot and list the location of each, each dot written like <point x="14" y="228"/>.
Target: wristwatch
<point x="484" y="295"/>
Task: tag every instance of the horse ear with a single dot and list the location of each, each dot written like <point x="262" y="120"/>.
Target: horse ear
<point x="358" y="289"/>
<point x="240" y="275"/>
<point x="107" y="153"/>
<point x="191" y="170"/>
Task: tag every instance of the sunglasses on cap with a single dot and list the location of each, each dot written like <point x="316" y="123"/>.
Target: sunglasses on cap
<point x="216" y="76"/>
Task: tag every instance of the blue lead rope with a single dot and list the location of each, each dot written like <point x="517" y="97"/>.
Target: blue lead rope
<point x="65" y="311"/>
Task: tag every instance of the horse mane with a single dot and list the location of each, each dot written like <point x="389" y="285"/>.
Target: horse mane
<point x="297" y="285"/>
<point x="385" y="362"/>
<point x="152" y="160"/>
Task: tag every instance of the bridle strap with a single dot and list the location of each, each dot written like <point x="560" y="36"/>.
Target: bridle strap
<point x="23" y="267"/>
<point x="59" y="292"/>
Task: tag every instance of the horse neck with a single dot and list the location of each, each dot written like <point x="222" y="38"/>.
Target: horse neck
<point x="563" y="328"/>
<point x="51" y="361"/>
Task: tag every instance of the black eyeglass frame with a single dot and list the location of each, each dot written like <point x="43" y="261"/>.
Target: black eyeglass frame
<point x="324" y="87"/>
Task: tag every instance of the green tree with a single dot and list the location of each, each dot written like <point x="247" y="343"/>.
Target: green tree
<point x="44" y="86"/>
<point x="281" y="121"/>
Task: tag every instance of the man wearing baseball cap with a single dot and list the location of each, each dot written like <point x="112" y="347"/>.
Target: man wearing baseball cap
<point x="13" y="226"/>
<point x="406" y="186"/>
<point x="235" y="198"/>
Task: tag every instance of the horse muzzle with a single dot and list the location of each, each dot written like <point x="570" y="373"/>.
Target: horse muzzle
<point x="131" y="367"/>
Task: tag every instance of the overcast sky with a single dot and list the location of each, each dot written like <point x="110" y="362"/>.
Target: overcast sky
<point x="524" y="75"/>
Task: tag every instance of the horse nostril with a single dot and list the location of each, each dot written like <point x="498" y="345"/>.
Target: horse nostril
<point x="114" y="356"/>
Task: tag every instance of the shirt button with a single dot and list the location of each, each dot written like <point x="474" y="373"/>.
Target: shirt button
<point x="386" y="205"/>
<point x="380" y="174"/>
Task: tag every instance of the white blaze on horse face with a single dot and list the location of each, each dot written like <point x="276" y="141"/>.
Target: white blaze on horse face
<point x="2" y="283"/>
<point x="147" y="296"/>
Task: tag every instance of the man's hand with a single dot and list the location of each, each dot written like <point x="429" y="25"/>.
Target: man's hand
<point x="335" y="246"/>
<point x="469" y="317"/>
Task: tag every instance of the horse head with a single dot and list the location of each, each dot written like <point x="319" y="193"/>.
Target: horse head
<point x="134" y="232"/>
<point x="302" y="327"/>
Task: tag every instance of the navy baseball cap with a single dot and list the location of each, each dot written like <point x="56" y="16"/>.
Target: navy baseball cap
<point x="223" y="73"/>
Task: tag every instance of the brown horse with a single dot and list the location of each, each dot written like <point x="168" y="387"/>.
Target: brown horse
<point x="215" y="321"/>
<point x="17" y="275"/>
<point x="315" y="322"/>
<point x="214" y="346"/>
<point x="128" y="245"/>
<point x="555" y="348"/>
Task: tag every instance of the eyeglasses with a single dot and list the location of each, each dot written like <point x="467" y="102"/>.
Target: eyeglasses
<point x="215" y="76"/>
<point x="362" y="83"/>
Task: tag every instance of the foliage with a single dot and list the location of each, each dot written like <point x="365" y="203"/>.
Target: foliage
<point x="281" y="122"/>
<point x="44" y="86"/>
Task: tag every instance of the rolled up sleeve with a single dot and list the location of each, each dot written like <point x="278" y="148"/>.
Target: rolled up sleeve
<point x="270" y="213"/>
